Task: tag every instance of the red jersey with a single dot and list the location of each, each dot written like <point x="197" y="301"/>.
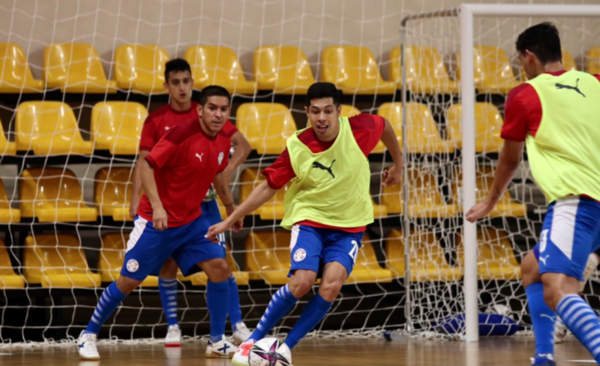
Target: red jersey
<point x="159" y="122"/>
<point x="367" y="130"/>
<point x="185" y="161"/>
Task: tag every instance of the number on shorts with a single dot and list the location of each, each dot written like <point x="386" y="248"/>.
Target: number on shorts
<point x="354" y="252"/>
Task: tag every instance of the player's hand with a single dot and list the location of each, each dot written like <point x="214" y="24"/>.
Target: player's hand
<point x="217" y="229"/>
<point x="135" y="202"/>
<point x="391" y="176"/>
<point x="480" y="210"/>
<point x="238" y="225"/>
<point x="160" y="219"/>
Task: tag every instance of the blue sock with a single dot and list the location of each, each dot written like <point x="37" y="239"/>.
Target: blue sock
<point x="235" y="312"/>
<point x="579" y="317"/>
<point x="282" y="303"/>
<point x="313" y="313"/>
<point x="168" y="297"/>
<point x="217" y="299"/>
<point x="109" y="301"/>
<point x="543" y="319"/>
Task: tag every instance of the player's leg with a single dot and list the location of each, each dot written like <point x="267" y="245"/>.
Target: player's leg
<point x="167" y="288"/>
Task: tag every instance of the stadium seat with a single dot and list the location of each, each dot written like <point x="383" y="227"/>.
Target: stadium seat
<point x="218" y="65"/>
<point x="15" y="75"/>
<point x="367" y="268"/>
<point x="112" y="192"/>
<point x="492" y="70"/>
<point x="8" y="278"/>
<point x="592" y="60"/>
<point x="354" y="70"/>
<point x="282" y="69"/>
<point x="423" y="134"/>
<point x="426" y="72"/>
<point x="496" y="258"/>
<point x="117" y="126"/>
<point x="428" y="261"/>
<point x="242" y="278"/>
<point x="268" y="256"/>
<point x="49" y="128"/>
<point x="484" y="181"/>
<point x="112" y="256"/>
<point x="488" y="125"/>
<point x="568" y="63"/>
<point x="349" y="111"/>
<point x="57" y="260"/>
<point x="6" y="148"/>
<point x="141" y="68"/>
<point x="425" y="197"/>
<point x="53" y="195"/>
<point x="267" y="126"/>
<point x="7" y="214"/>
<point x="75" y="68"/>
<point x="274" y="208"/>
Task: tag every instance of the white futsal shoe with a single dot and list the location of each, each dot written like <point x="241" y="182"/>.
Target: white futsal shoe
<point x="560" y="331"/>
<point x="86" y="345"/>
<point x="221" y="349"/>
<point x="173" y="338"/>
<point x="241" y="333"/>
<point x="243" y="352"/>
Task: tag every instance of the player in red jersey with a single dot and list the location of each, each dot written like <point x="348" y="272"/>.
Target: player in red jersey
<point x="176" y="175"/>
<point x="179" y="84"/>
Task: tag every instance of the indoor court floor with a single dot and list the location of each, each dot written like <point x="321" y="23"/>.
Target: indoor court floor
<point x="513" y="351"/>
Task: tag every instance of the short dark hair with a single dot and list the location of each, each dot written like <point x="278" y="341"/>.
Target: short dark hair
<point x="543" y="41"/>
<point x="323" y="90"/>
<point x="176" y="65"/>
<point x="211" y="91"/>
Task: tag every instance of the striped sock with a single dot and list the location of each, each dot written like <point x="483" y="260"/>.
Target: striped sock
<point x="109" y="301"/>
<point x="168" y="297"/>
<point x="579" y="317"/>
<point x="281" y="303"/>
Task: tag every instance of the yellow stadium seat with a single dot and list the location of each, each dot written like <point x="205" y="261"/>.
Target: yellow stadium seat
<point x="8" y="278"/>
<point x="49" y="128"/>
<point x="423" y="134"/>
<point x="568" y="63"/>
<point x="268" y="256"/>
<point x="6" y="148"/>
<point x="75" y="68"/>
<point x="425" y="197"/>
<point x="283" y="69"/>
<point x="53" y="195"/>
<point x="592" y="60"/>
<point x="354" y="70"/>
<point x="242" y="278"/>
<point x="141" y="68"/>
<point x="426" y="72"/>
<point x="7" y="214"/>
<point x="15" y="74"/>
<point x="57" y="260"/>
<point x="427" y="258"/>
<point x="484" y="181"/>
<point x="367" y="268"/>
<point x="274" y="208"/>
<point x="493" y="70"/>
<point x="218" y="65"/>
<point x="349" y="111"/>
<point x="112" y="257"/>
<point x="117" y="126"/>
<point x="488" y="125"/>
<point x="112" y="192"/>
<point x="496" y="259"/>
<point x="267" y="126"/>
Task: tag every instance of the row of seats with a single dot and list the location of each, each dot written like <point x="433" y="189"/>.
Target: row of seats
<point x="50" y="128"/>
<point x="55" y="195"/>
<point x="58" y="260"/>
<point x="77" y="68"/>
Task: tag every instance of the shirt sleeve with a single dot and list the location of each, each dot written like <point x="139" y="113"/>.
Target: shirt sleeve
<point x="367" y="130"/>
<point x="229" y="129"/>
<point x="148" y="138"/>
<point x="162" y="152"/>
<point x="280" y="172"/>
<point x="516" y="116"/>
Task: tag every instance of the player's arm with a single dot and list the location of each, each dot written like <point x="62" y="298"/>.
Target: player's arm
<point x="159" y="215"/>
<point x="242" y="150"/>
<point x="510" y="158"/>
<point x="137" y="184"/>
<point x="393" y="175"/>
<point x="222" y="187"/>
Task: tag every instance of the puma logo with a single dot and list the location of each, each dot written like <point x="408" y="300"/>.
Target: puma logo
<point x="553" y="318"/>
<point x="318" y="165"/>
<point x="199" y="156"/>
<point x="575" y="88"/>
<point x="542" y="259"/>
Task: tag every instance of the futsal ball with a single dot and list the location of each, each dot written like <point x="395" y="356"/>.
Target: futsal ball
<point x="270" y="352"/>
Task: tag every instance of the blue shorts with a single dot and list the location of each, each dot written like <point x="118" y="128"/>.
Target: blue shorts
<point x="312" y="248"/>
<point x="571" y="232"/>
<point x="147" y="248"/>
<point x="212" y="215"/>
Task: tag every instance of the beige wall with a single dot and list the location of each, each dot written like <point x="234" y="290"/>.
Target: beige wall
<point x="247" y="24"/>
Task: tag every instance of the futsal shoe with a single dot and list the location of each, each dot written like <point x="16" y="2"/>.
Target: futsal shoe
<point x="173" y="338"/>
<point x="221" y="349"/>
<point x="86" y="345"/>
<point x="549" y="361"/>
<point x="240" y="358"/>
<point x="241" y="333"/>
<point x="560" y="331"/>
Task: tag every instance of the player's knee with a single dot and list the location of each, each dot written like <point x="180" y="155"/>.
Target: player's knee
<point x="126" y="285"/>
<point x="530" y="271"/>
<point x="301" y="283"/>
<point x="169" y="270"/>
<point x="331" y="289"/>
<point x="217" y="270"/>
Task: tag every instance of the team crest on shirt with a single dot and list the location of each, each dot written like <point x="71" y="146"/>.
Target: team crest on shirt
<point x="132" y="265"/>
<point x="221" y="156"/>
<point x="299" y="255"/>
